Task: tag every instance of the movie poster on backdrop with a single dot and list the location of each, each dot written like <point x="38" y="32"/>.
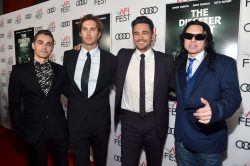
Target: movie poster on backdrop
<point x="23" y="45"/>
<point x="105" y="42"/>
<point x="221" y="15"/>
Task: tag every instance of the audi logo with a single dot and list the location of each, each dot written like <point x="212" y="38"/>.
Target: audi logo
<point x="149" y="10"/>
<point x="247" y="27"/>
<point x="243" y="145"/>
<point x="122" y="36"/>
<point x="65" y="23"/>
<point x="245" y="87"/>
<point x="51" y="10"/>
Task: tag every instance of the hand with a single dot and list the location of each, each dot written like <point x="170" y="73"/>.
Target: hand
<point x="78" y="47"/>
<point x="204" y="114"/>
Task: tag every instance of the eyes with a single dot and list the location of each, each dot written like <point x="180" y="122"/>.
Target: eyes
<point x="90" y="29"/>
<point x="48" y="44"/>
<point x="189" y="36"/>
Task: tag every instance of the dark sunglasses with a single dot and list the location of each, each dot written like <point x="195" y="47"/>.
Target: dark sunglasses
<point x="189" y="36"/>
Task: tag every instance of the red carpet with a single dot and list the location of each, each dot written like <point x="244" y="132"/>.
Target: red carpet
<point x="12" y="150"/>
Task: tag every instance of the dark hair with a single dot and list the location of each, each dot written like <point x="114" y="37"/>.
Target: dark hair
<point x="145" y="20"/>
<point x="181" y="59"/>
<point x="44" y="32"/>
<point x="93" y="18"/>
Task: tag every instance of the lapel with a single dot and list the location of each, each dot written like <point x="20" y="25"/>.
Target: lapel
<point x="198" y="76"/>
<point x="157" y="74"/>
<point x="72" y="67"/>
<point x="102" y="68"/>
<point x="55" y="78"/>
<point x="181" y="81"/>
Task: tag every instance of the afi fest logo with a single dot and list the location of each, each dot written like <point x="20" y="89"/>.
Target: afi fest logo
<point x="9" y="21"/>
<point x="245" y="62"/>
<point x="123" y="16"/>
<point x="99" y="2"/>
<point x="172" y="108"/>
<point x="18" y="19"/>
<point x="2" y="23"/>
<point x="10" y="34"/>
<point x="2" y="48"/>
<point x="169" y="154"/>
<point x="65" y="6"/>
<point x="65" y="41"/>
<point x="245" y="119"/>
<point x="28" y="16"/>
<point x="117" y="140"/>
<point x="52" y="26"/>
<point x="4" y="73"/>
<point x="39" y="13"/>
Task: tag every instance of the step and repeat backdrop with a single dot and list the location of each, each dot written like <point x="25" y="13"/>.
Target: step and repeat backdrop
<point x="229" y="21"/>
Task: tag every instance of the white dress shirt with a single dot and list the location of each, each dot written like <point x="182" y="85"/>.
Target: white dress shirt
<point x="131" y="90"/>
<point x="196" y="63"/>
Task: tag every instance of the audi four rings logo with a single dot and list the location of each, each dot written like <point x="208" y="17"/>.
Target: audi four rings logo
<point x="51" y="10"/>
<point x="122" y="36"/>
<point x="245" y="87"/>
<point x="149" y="10"/>
<point x="243" y="145"/>
<point x="65" y="23"/>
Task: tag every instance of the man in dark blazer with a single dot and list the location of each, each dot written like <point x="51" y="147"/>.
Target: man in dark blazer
<point x="144" y="118"/>
<point x="88" y="105"/>
<point x="35" y="108"/>
<point x="207" y="94"/>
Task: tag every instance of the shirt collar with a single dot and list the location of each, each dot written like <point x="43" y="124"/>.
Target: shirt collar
<point x="92" y="52"/>
<point x="200" y="56"/>
<point x="148" y="54"/>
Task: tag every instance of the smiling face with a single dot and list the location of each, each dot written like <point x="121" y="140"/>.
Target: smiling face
<point x="142" y="37"/>
<point x="89" y="34"/>
<point x="194" y="46"/>
<point x="43" y="47"/>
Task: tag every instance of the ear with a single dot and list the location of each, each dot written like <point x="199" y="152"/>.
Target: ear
<point x="153" y="36"/>
<point x="33" y="45"/>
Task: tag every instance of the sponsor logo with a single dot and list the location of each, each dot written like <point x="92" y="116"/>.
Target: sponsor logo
<point x="245" y="87"/>
<point x="245" y="62"/>
<point x="245" y="120"/>
<point x="10" y="34"/>
<point x="99" y="2"/>
<point x="52" y="26"/>
<point x="36" y="29"/>
<point x="4" y="84"/>
<point x="149" y="10"/>
<point x="2" y="48"/>
<point x="81" y="2"/>
<point x="117" y="158"/>
<point x="65" y="7"/>
<point x="170" y="130"/>
<point x="2" y="35"/>
<point x="28" y="16"/>
<point x="243" y="145"/>
<point x="247" y="1"/>
<point x="4" y="97"/>
<point x="123" y="15"/>
<point x="247" y="27"/>
<point x="10" y="60"/>
<point x="39" y="14"/>
<point x="2" y="23"/>
<point x="3" y="73"/>
<point x="3" y="60"/>
<point x="18" y="19"/>
<point x="51" y="10"/>
<point x="65" y="23"/>
<point x="65" y="41"/>
<point x="10" y="47"/>
<point x="122" y="36"/>
<point x="9" y="21"/>
<point x="169" y="153"/>
<point x="117" y="140"/>
<point x="172" y="108"/>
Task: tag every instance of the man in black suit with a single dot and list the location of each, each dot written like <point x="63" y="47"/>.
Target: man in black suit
<point x="34" y="103"/>
<point x="90" y="73"/>
<point x="141" y="102"/>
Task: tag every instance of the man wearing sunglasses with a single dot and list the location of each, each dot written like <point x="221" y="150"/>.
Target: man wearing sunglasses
<point x="207" y="94"/>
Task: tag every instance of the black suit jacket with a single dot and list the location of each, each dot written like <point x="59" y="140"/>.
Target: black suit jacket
<point x="94" y="111"/>
<point x="163" y="84"/>
<point x="30" y="110"/>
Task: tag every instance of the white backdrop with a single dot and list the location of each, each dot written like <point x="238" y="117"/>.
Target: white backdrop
<point x="51" y="14"/>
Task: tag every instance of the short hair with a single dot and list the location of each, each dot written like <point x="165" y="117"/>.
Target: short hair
<point x="44" y="32"/>
<point x="145" y="20"/>
<point x="93" y="18"/>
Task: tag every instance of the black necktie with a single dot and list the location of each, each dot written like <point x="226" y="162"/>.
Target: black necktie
<point x="85" y="76"/>
<point x="142" y="86"/>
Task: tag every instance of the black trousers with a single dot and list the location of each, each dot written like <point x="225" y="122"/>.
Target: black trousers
<point x="97" y="139"/>
<point x="38" y="152"/>
<point x="140" y="133"/>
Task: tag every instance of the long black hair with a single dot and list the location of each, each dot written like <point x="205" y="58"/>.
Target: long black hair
<point x="209" y="49"/>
